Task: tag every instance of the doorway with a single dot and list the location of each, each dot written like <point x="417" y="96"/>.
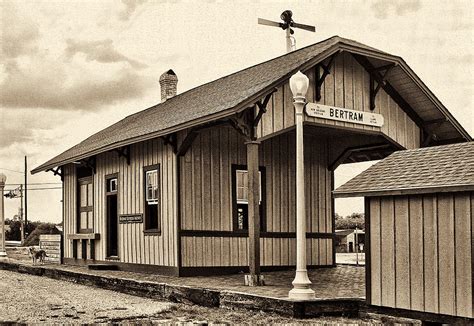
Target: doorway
<point x="112" y="217"/>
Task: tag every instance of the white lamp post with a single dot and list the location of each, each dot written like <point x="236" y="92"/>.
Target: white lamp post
<point x="301" y="284"/>
<point x="3" y="252"/>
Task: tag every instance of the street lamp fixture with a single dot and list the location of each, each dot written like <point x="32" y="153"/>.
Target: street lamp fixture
<point x="301" y="284"/>
<point x="299" y="83"/>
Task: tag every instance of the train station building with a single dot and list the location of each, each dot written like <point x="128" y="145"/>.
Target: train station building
<point x="205" y="182"/>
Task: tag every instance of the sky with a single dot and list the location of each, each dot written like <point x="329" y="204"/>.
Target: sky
<point x="69" y="69"/>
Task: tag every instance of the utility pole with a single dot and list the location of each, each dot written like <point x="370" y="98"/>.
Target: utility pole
<point x="26" y="196"/>
<point x="20" y="217"/>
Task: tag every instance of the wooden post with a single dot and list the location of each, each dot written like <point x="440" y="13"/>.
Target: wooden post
<point x="255" y="277"/>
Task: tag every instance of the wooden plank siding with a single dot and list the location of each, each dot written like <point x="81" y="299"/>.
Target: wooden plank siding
<point x="133" y="245"/>
<point x="347" y="86"/>
<point x="421" y="257"/>
<point x="203" y="211"/>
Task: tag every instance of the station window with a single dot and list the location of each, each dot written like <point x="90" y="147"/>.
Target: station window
<point x="152" y="199"/>
<point x="85" y="223"/>
<point x="240" y="197"/>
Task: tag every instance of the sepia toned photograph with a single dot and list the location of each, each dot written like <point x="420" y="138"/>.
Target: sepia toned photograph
<point x="264" y="162"/>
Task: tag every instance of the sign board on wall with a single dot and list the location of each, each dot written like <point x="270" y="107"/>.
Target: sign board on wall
<point x="342" y="114"/>
<point x="51" y="243"/>
<point x="130" y="218"/>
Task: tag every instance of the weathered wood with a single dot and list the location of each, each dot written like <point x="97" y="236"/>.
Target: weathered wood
<point x="447" y="291"/>
<point x="253" y="207"/>
<point x="387" y="252"/>
<point x="463" y="254"/>
<point x="402" y="256"/>
<point x="416" y="253"/>
<point x="430" y="244"/>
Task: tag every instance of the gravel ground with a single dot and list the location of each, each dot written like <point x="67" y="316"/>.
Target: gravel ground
<point x="33" y="299"/>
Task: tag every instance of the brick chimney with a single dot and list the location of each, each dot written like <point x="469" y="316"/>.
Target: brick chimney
<point x="168" y="85"/>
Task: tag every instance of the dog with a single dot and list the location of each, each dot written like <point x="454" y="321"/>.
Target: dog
<point x="37" y="255"/>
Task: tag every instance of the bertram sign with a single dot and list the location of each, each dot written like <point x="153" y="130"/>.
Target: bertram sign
<point x="342" y="114"/>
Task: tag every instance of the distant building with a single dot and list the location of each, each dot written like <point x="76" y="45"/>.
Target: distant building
<point x="346" y="240"/>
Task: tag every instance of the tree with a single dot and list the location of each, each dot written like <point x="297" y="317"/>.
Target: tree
<point x="15" y="227"/>
<point x="350" y="222"/>
<point x="43" y="228"/>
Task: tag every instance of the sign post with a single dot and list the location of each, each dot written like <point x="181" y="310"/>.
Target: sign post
<point x="3" y="252"/>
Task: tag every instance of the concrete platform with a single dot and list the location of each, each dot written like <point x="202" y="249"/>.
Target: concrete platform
<point x="333" y="286"/>
<point x="219" y="291"/>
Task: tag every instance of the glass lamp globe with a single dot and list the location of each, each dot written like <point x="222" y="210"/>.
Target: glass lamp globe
<point x="299" y="84"/>
<point x="3" y="178"/>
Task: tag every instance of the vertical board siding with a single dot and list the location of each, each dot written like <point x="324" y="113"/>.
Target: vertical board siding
<point x="207" y="195"/>
<point x="387" y="225"/>
<point x="69" y="207"/>
<point x="346" y="86"/>
<point x="233" y="251"/>
<point x="431" y="238"/>
<point x="134" y="246"/>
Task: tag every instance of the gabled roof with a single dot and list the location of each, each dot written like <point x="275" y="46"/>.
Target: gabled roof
<point x="446" y="168"/>
<point x="226" y="96"/>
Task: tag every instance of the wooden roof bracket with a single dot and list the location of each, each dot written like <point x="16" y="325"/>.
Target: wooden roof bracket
<point x="57" y="171"/>
<point x="246" y="122"/>
<point x="243" y="123"/>
<point x="381" y="81"/>
<point x="90" y="163"/>
<point x="172" y="140"/>
<point x="124" y="152"/>
<point x="326" y="71"/>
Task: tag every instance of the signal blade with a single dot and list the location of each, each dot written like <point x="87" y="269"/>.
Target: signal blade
<point x="305" y="27"/>
<point x="267" y="22"/>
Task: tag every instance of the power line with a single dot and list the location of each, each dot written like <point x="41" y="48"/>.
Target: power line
<point x="12" y="170"/>
<point x="48" y="188"/>
<point x="34" y="184"/>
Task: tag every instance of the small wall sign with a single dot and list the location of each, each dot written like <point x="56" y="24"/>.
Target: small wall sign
<point x="342" y="114"/>
<point x="130" y="218"/>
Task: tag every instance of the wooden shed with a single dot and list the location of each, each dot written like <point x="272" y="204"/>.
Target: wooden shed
<point x="167" y="189"/>
<point x="419" y="207"/>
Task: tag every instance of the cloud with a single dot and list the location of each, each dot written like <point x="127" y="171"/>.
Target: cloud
<point x="102" y="51"/>
<point x="44" y="84"/>
<point x="19" y="34"/>
<point x="21" y="126"/>
<point x="130" y="7"/>
<point x="382" y="8"/>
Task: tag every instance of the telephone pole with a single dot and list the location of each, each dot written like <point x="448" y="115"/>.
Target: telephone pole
<point x="26" y="197"/>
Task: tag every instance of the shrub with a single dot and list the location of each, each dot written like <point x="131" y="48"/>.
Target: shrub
<point x="43" y="228"/>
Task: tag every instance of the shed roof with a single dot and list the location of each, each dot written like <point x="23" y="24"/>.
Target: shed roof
<point x="233" y="93"/>
<point x="446" y="168"/>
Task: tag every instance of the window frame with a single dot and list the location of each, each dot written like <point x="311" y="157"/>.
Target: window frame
<point x="157" y="203"/>
<point x="262" y="204"/>
<point x="89" y="208"/>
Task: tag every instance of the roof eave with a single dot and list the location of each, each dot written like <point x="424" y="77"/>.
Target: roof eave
<point x="402" y="192"/>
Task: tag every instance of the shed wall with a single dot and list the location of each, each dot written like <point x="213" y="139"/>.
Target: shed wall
<point x="421" y="253"/>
